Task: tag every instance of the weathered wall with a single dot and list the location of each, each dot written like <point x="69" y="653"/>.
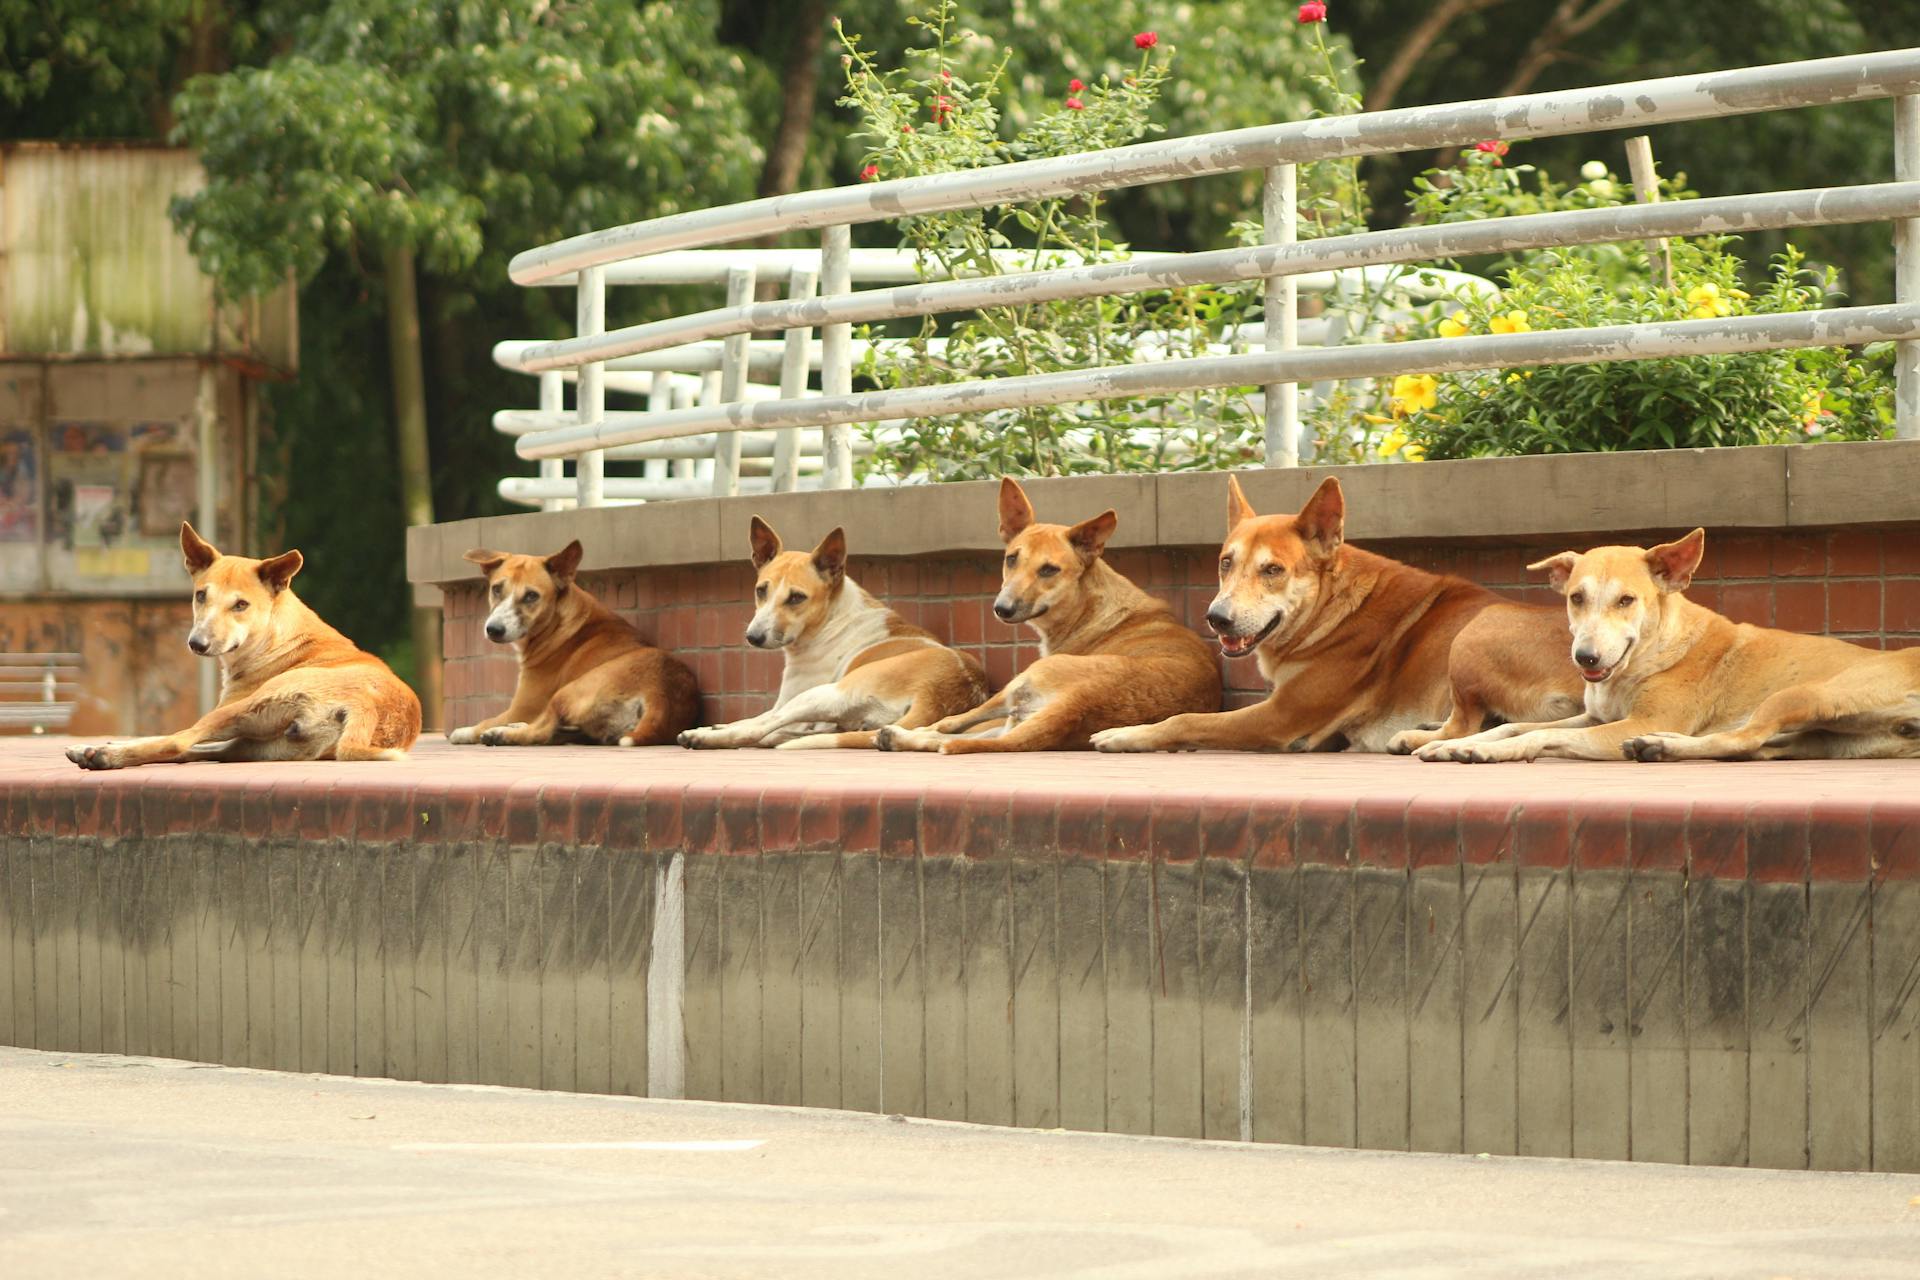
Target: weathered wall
<point x="1298" y="950"/>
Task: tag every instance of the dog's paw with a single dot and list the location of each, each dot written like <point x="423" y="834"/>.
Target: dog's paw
<point x="1651" y="747"/>
<point x="1408" y="742"/>
<point x="105" y="757"/>
<point x="463" y="737"/>
<point x="884" y="739"/>
<point x="501" y="735"/>
<point x="1126" y="739"/>
<point x="1461" y="751"/>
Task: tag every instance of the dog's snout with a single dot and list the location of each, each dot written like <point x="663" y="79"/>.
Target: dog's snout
<point x="198" y="644"/>
<point x="758" y="639"/>
<point x="1003" y="610"/>
<point x="1587" y="658"/>
<point x="1220" y="618"/>
<point x="496" y="631"/>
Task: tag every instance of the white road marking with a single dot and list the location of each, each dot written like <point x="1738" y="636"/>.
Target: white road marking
<point x="697" y="1144"/>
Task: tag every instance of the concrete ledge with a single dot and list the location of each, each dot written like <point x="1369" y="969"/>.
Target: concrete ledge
<point x="1563" y="495"/>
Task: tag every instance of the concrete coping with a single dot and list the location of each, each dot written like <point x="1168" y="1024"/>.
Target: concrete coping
<point x="1560" y="495"/>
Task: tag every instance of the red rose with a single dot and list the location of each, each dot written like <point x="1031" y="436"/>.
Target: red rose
<point x="1074" y="104"/>
<point x="942" y="108"/>
<point x="1313" y="11"/>
<point x="1074" y="86"/>
<point x="1148" y="39"/>
<point x="1492" y="147"/>
<point x="869" y="173"/>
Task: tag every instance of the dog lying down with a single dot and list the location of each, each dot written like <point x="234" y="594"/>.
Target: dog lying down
<point x="585" y="675"/>
<point x="291" y="687"/>
<point x="1667" y="679"/>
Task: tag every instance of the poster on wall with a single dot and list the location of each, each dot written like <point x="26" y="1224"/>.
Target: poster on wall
<point x="166" y="480"/>
<point x="88" y="497"/>
<point x="19" y="486"/>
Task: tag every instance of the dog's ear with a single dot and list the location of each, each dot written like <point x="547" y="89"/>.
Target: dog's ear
<point x="196" y="550"/>
<point x="1322" y="523"/>
<point x="766" y="543"/>
<point x="830" y="557"/>
<point x="1557" y="568"/>
<point x="1016" y="513"/>
<point x="1089" y="537"/>
<point x="564" y="563"/>
<point x="1674" y="563"/>
<point x="278" y="572"/>
<point x="487" y="560"/>
<point x="1238" y="508"/>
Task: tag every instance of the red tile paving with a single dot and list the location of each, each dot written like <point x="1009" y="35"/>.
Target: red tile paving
<point x="1830" y="819"/>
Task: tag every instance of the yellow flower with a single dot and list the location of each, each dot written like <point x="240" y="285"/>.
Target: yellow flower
<point x="1707" y="302"/>
<point x="1413" y="392"/>
<point x="1392" y="442"/>
<point x="1511" y="322"/>
<point x="1414" y="452"/>
<point x="1453" y="327"/>
<point x="1376" y="419"/>
<point x="1810" y="408"/>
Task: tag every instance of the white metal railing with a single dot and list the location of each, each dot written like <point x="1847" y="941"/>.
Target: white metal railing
<point x="588" y="260"/>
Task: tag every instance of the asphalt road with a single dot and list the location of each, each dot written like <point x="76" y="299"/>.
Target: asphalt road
<point x="142" y="1167"/>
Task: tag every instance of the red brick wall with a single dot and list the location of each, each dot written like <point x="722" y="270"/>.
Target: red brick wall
<point x="1861" y="584"/>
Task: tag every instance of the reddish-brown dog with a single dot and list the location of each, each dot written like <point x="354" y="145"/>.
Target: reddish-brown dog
<point x="585" y="675"/>
<point x="291" y="687"/>
<point x="1359" y="650"/>
<point x="1110" y="654"/>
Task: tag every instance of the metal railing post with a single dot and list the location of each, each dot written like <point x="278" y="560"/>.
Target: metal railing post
<point x="553" y="399"/>
<point x="1279" y="214"/>
<point x="836" y="358"/>
<point x="733" y="386"/>
<point x="801" y="285"/>
<point x="1906" y="269"/>
<point x="590" y="393"/>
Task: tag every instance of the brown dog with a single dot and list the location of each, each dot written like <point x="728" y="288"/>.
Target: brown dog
<point x="1110" y="654"/>
<point x="291" y="687"/>
<point x="1356" y="648"/>
<point x="585" y="675"/>
<point x="1667" y="679"/>
<point x="852" y="665"/>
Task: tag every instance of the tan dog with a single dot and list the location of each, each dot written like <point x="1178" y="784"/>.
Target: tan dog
<point x="852" y="664"/>
<point x="584" y="673"/>
<point x="1356" y="648"/>
<point x="291" y="687"/>
<point x="1110" y="654"/>
<point x="1669" y="679"/>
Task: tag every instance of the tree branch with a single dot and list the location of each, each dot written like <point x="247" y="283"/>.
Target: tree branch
<point x="1418" y="42"/>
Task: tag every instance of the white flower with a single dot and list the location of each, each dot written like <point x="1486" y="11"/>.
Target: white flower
<point x="1593" y="169"/>
<point x="1601" y="187"/>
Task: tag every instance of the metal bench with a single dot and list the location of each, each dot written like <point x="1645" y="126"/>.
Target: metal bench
<point x="37" y="691"/>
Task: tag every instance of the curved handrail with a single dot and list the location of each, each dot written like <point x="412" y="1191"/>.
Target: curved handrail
<point x="1851" y="78"/>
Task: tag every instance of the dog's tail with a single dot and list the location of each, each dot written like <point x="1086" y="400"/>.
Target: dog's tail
<point x="824" y="741"/>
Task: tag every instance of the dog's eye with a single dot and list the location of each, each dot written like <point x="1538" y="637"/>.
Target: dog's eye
<point x="530" y="598"/>
<point x="1623" y="602"/>
<point x="1049" y="570"/>
<point x="239" y="606"/>
<point x="1226" y="564"/>
<point x="760" y="592"/>
<point x="1013" y="560"/>
<point x="1272" y="570"/>
<point x="1578" y="597"/>
<point x="796" y="597"/>
<point x="497" y="589"/>
<point x="200" y="596"/>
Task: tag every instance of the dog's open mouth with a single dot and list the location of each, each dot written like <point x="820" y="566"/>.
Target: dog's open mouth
<point x="1594" y="675"/>
<point x="1241" y="646"/>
